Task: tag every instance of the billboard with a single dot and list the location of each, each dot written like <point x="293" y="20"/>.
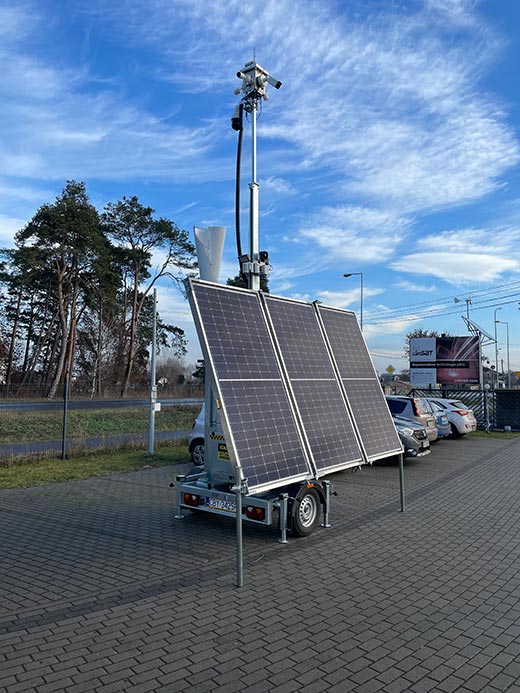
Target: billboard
<point x="444" y="360"/>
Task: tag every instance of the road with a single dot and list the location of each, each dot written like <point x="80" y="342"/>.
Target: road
<point x="45" y="405"/>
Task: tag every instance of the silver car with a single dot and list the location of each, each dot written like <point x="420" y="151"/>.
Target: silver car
<point x="196" y="440"/>
<point x="416" y="408"/>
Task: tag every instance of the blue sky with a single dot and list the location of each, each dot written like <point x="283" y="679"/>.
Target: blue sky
<point x="392" y="148"/>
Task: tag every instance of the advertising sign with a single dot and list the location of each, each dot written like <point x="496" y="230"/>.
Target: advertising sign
<point x="444" y="360"/>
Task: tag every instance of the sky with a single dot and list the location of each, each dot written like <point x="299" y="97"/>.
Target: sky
<point x="392" y="148"/>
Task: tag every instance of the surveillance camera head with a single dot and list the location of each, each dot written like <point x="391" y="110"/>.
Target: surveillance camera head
<point x="274" y="82"/>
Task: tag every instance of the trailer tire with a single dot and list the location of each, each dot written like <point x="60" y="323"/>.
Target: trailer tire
<point x="306" y="512"/>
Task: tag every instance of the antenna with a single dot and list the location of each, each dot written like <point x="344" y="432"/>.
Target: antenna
<point x="254" y="88"/>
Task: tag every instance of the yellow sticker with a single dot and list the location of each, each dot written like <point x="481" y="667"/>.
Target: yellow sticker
<point x="222" y="452"/>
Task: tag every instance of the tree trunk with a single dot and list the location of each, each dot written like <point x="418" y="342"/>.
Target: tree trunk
<point x="131" y="344"/>
<point x="10" y="355"/>
<point x="63" y="346"/>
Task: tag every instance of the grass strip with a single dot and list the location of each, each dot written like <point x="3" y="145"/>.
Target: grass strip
<point x="37" y="471"/>
<point x="495" y="434"/>
<point x="28" y="426"/>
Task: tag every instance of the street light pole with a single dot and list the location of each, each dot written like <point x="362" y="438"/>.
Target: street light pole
<point x="504" y="322"/>
<point x="360" y="275"/>
<point x="496" y="347"/>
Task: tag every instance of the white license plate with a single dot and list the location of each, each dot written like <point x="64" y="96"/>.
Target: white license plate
<point x="221" y="504"/>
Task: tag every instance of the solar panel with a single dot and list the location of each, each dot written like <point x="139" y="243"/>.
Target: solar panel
<point x="367" y="404"/>
<point x="263" y="437"/>
<point x="318" y="395"/>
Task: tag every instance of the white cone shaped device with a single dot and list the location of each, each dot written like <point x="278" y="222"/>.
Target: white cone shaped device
<point x="210" y="244"/>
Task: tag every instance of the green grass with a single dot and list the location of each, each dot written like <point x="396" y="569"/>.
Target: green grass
<point x="22" y="473"/>
<point x="494" y="434"/>
<point x="27" y="426"/>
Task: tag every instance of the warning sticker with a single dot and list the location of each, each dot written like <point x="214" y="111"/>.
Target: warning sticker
<point x="222" y="453"/>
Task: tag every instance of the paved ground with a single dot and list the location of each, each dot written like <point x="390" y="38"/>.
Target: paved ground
<point x="102" y="590"/>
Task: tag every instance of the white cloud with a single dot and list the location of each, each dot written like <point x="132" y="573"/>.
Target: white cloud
<point x="457" y="268"/>
<point x="411" y="286"/>
<point x="493" y="241"/>
<point x="356" y="234"/>
<point x="388" y="105"/>
<point x="346" y="299"/>
<point x="8" y="227"/>
<point x="275" y="185"/>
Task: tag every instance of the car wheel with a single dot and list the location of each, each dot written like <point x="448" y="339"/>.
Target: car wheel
<point x="197" y="453"/>
<point x="306" y="512"/>
<point x="455" y="431"/>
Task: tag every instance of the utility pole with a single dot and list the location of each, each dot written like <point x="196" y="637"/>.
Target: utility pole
<point x="495" y="321"/>
<point x="153" y="386"/>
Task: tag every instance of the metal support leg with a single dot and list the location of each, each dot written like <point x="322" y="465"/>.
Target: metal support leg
<point x="283" y="507"/>
<point x="180" y="480"/>
<point x="327" y="486"/>
<point x="401" y="481"/>
<point x="239" y="490"/>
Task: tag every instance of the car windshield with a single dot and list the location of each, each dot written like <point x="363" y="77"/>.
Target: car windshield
<point x="457" y="404"/>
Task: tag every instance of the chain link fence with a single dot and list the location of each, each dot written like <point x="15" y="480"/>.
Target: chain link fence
<point x="496" y="408"/>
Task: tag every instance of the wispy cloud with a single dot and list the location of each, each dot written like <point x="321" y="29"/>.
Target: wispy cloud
<point x="355" y="234"/>
<point x="411" y="286"/>
<point x="457" y="268"/>
<point x="8" y="227"/>
<point x="346" y="299"/>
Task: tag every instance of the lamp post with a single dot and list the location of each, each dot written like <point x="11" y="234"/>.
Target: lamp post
<point x="504" y="322"/>
<point x="496" y="346"/>
<point x="360" y="275"/>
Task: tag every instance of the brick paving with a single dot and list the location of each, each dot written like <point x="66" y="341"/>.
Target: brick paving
<point x="101" y="589"/>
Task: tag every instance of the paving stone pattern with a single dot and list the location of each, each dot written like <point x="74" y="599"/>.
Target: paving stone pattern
<point x="101" y="589"/>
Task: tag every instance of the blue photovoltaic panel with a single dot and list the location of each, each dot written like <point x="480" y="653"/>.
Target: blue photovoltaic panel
<point x="264" y="439"/>
<point x="364" y="393"/>
<point x="348" y="345"/>
<point x="235" y="326"/>
<point x="299" y="336"/>
<point x="373" y="418"/>
<point x="318" y="396"/>
<point x="264" y="432"/>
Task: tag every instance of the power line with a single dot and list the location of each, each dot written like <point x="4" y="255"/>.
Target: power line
<point x="501" y="288"/>
<point x="409" y="318"/>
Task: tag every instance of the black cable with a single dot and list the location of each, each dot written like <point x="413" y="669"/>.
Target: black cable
<point x="237" y="185"/>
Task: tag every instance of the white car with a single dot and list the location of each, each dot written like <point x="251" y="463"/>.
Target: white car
<point x="196" y="440"/>
<point x="462" y="419"/>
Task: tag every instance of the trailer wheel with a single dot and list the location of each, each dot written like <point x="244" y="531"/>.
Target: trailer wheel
<point x="306" y="512"/>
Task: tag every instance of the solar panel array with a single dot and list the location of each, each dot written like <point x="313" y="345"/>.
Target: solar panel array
<point x="318" y="396"/>
<point x="275" y="364"/>
<point x="367" y="403"/>
<point x="262" y="435"/>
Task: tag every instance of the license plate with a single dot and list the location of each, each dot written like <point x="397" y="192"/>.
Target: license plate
<point x="221" y="504"/>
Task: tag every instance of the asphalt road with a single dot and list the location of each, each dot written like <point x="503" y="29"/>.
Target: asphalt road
<point x="45" y="405"/>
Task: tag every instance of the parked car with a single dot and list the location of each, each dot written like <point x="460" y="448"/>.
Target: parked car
<point x="417" y="409"/>
<point x="441" y="420"/>
<point x="196" y="440"/>
<point x="413" y="437"/>
<point x="462" y="419"/>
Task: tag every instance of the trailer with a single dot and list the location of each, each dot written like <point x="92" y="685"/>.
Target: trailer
<point x="291" y="394"/>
